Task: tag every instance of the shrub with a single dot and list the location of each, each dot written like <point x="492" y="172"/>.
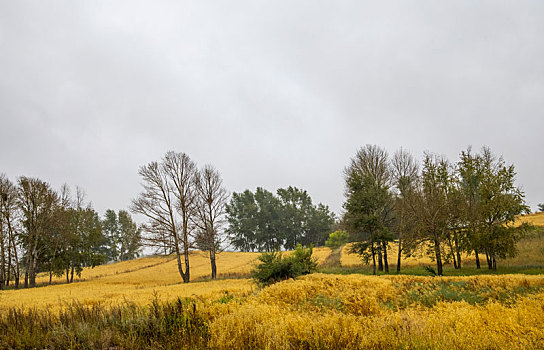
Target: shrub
<point x="337" y="239"/>
<point x="274" y="267"/>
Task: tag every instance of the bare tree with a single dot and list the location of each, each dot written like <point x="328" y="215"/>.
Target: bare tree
<point x="405" y="174"/>
<point x="168" y="202"/>
<point x="212" y="199"/>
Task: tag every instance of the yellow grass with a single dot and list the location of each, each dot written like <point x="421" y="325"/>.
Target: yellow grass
<point x="137" y="281"/>
<point x="536" y="219"/>
<point x="420" y="257"/>
<point x="359" y="312"/>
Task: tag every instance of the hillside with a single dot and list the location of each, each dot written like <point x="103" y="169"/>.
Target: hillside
<point x="139" y="280"/>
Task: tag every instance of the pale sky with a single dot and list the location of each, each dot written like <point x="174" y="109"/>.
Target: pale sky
<point x="272" y="93"/>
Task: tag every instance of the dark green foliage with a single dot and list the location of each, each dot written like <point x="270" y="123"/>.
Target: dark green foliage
<point x="261" y="221"/>
<point x="157" y="326"/>
<point x="541" y="207"/>
<point x="123" y="237"/>
<point x="275" y="267"/>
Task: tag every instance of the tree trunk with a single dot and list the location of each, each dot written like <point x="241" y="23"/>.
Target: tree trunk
<point x="72" y="275"/>
<point x="2" y="256"/>
<point x="10" y="231"/>
<point x="67" y="274"/>
<point x="488" y="258"/>
<point x="380" y="260"/>
<point x="385" y="262"/>
<point x="477" y="258"/>
<point x="212" y="262"/>
<point x="50" y="277"/>
<point x="457" y="249"/>
<point x="438" y="255"/>
<point x="373" y="258"/>
<point x="450" y="243"/>
<point x="399" y="254"/>
<point x="494" y="263"/>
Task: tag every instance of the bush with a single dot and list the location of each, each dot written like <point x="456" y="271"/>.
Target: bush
<point x="337" y="239"/>
<point x="274" y="267"/>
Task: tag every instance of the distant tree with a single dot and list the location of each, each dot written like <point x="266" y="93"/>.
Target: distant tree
<point x="302" y="221"/>
<point x="501" y="202"/>
<point x="130" y="237"/>
<point x="168" y="202"/>
<point x="264" y="222"/>
<point x="270" y="235"/>
<point x="242" y="219"/>
<point x="430" y="206"/>
<point x="8" y="218"/>
<point x="337" y="239"/>
<point x="110" y="227"/>
<point x="320" y="222"/>
<point x="369" y="205"/>
<point x="37" y="202"/>
<point x="405" y="173"/>
<point x="122" y="235"/>
<point x="212" y="198"/>
<point x="541" y="207"/>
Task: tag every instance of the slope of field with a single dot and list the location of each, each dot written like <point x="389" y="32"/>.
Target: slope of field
<point x="531" y="251"/>
<point x="139" y="280"/>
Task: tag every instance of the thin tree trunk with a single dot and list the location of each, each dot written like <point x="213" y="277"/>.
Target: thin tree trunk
<point x="385" y="262"/>
<point x="380" y="260"/>
<point x="457" y="249"/>
<point x="72" y="274"/>
<point x="373" y="258"/>
<point x="67" y="274"/>
<point x="477" y="258"/>
<point x="438" y="255"/>
<point x="494" y="263"/>
<point x="450" y="243"/>
<point x="399" y="254"/>
<point x="50" y="277"/>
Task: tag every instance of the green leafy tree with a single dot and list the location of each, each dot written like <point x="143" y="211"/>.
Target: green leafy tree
<point x="501" y="201"/>
<point x="369" y="205"/>
<point x="337" y="239"/>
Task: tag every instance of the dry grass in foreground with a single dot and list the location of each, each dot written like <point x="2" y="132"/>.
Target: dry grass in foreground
<point x="314" y="312"/>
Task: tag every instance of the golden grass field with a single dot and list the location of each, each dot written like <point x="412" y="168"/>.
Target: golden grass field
<point x="138" y="281"/>
<point x="322" y="310"/>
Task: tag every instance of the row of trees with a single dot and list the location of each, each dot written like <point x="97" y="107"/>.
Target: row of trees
<point x="465" y="207"/>
<point x="184" y="208"/>
<point x="43" y="230"/>
<point x="261" y="221"/>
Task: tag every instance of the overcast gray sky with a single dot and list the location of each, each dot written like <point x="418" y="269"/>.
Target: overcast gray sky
<point x="272" y="93"/>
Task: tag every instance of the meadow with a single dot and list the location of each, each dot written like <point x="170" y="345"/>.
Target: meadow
<point x="143" y="304"/>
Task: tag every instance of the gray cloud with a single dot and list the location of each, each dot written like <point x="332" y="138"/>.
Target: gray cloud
<point x="272" y="93"/>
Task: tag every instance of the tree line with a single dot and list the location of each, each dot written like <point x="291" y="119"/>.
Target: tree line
<point x="446" y="208"/>
<point x="261" y="221"/>
<point x="43" y="230"/>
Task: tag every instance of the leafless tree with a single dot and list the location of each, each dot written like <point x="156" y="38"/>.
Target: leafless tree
<point x="405" y="176"/>
<point x="212" y="199"/>
<point x="168" y="202"/>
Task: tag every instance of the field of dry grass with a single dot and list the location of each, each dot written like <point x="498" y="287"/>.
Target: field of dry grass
<point x="138" y="281"/>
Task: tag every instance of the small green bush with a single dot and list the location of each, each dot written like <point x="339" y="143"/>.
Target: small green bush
<point x="274" y="267"/>
<point x="337" y="239"/>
